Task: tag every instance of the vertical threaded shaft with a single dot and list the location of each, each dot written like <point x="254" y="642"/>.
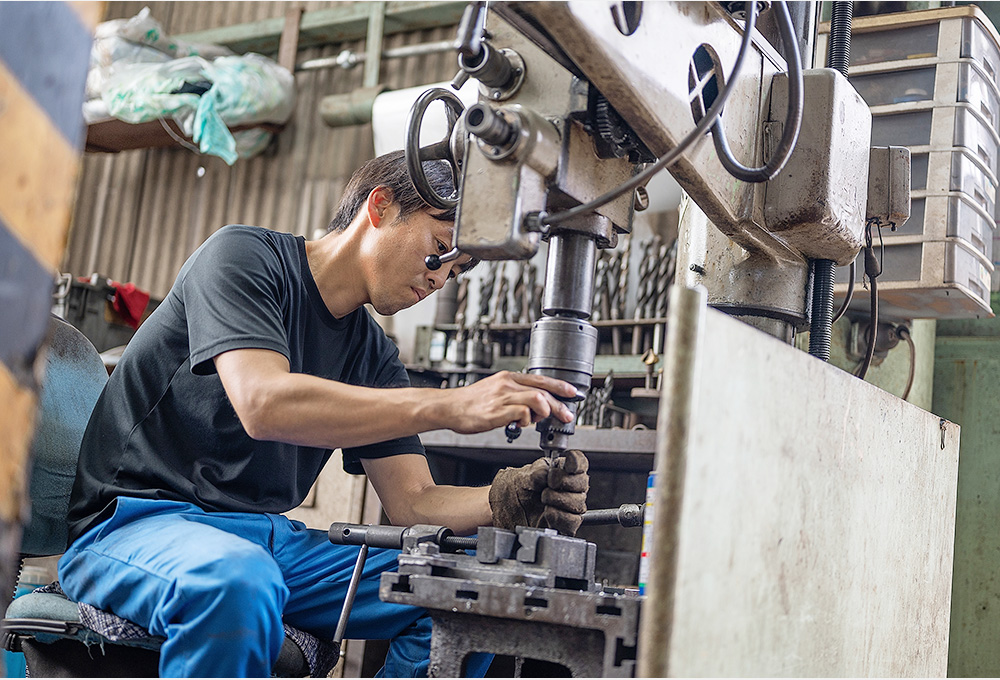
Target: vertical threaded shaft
<point x="824" y="274"/>
<point x="821" y="325"/>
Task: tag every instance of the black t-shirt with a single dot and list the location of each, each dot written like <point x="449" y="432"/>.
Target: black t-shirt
<point x="164" y="428"/>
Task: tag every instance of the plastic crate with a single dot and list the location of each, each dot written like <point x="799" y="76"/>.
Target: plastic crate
<point x="935" y="35"/>
<point x="946" y="83"/>
<point x="939" y="172"/>
<point x="893" y="44"/>
<point x="929" y="127"/>
<point x="943" y="279"/>
<point x="979" y="42"/>
<point x="939" y="217"/>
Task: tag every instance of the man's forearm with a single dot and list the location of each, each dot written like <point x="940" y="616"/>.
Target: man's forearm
<point x="310" y="411"/>
<point x="410" y="496"/>
<point x="274" y="404"/>
<point x="460" y="508"/>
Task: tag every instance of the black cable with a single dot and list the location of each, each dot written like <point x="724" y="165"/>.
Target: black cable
<point x="904" y="333"/>
<point x="872" y="269"/>
<point x="793" y="117"/>
<point x="850" y="292"/>
<point x="703" y="125"/>
<point x="872" y="332"/>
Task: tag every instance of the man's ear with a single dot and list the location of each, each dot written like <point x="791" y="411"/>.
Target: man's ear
<point x="378" y="201"/>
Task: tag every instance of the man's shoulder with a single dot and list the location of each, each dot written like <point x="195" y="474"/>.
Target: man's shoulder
<point x="241" y="244"/>
<point x="246" y="233"/>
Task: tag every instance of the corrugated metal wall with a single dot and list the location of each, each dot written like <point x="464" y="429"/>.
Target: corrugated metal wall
<point x="139" y="214"/>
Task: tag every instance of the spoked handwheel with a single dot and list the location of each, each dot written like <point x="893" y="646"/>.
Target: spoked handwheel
<point x="416" y="155"/>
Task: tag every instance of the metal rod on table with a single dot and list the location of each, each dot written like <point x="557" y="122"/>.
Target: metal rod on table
<point x="627" y="515"/>
<point x="352" y="590"/>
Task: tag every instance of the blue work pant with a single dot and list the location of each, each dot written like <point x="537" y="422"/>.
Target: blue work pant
<point x="218" y="585"/>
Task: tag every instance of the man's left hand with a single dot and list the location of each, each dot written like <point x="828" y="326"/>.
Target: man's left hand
<point x="546" y="493"/>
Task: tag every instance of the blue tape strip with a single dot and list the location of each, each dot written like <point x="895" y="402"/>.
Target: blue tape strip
<point x="47" y="48"/>
<point x="25" y="305"/>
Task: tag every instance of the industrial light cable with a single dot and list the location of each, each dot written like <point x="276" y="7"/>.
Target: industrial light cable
<point x="703" y="125"/>
<point x="793" y="117"/>
<point x="850" y="292"/>
<point x="904" y="333"/>
<point x="873" y="268"/>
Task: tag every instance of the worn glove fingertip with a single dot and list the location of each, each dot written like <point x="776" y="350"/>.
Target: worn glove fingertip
<point x="574" y="461"/>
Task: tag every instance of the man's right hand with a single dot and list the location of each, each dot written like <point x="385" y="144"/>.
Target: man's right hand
<point x="504" y="398"/>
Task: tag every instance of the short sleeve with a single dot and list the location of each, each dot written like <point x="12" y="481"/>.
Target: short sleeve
<point x="388" y="373"/>
<point x="232" y="289"/>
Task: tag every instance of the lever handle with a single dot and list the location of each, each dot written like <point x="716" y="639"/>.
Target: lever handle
<point x="434" y="262"/>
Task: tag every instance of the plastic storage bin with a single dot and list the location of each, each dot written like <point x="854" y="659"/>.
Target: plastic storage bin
<point x="944" y="83"/>
<point x="979" y="43"/>
<point x="956" y="170"/>
<point x="974" y="87"/>
<point x="939" y="217"/>
<point x="938" y="127"/>
<point x="932" y="80"/>
<point x="895" y="87"/>
<point x="895" y="44"/>
<point x="926" y="279"/>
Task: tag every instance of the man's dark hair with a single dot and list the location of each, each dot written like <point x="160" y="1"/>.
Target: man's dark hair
<point x="390" y="171"/>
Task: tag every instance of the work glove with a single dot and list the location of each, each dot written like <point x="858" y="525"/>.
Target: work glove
<point x="546" y="493"/>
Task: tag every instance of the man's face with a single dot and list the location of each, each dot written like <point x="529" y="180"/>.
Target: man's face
<point x="401" y="278"/>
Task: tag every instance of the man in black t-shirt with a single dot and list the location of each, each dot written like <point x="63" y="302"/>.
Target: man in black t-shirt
<point x="228" y="402"/>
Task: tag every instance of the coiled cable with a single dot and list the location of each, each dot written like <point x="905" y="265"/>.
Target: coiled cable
<point x="793" y="117"/>
<point x="703" y="125"/>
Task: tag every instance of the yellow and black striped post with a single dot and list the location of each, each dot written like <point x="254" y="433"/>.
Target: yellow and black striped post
<point x="44" y="55"/>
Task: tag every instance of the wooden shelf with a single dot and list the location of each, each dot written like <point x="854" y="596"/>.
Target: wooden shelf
<point x="113" y="135"/>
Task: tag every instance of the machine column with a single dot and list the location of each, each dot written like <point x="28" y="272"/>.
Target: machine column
<point x="563" y="342"/>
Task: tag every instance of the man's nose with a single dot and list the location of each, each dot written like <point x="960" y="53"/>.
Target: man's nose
<point x="438" y="278"/>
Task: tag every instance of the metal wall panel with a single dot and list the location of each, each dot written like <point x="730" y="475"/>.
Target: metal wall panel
<point x="966" y="391"/>
<point x="812" y="525"/>
<point x="140" y="214"/>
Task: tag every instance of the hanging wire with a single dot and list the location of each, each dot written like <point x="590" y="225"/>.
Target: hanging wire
<point x="793" y="118"/>
<point x="850" y="292"/>
<point x="904" y="333"/>
<point x="873" y="268"/>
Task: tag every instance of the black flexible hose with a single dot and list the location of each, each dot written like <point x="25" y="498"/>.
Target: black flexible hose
<point x="824" y="274"/>
<point x="703" y="125"/>
<point x="873" y="268"/>
<point x="904" y="333"/>
<point x="793" y="116"/>
<point x="850" y="291"/>
<point x="872" y="330"/>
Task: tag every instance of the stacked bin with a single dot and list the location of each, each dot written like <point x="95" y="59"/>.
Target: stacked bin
<point x="932" y="80"/>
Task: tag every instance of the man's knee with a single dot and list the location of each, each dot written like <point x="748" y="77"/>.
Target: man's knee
<point x="245" y="586"/>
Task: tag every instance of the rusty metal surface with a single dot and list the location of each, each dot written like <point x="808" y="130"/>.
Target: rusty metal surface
<point x="815" y="534"/>
<point x="817" y="203"/>
<point x="531" y="597"/>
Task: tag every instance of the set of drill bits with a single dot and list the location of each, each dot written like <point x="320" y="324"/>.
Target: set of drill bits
<point x="508" y="299"/>
<point x="657" y="264"/>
